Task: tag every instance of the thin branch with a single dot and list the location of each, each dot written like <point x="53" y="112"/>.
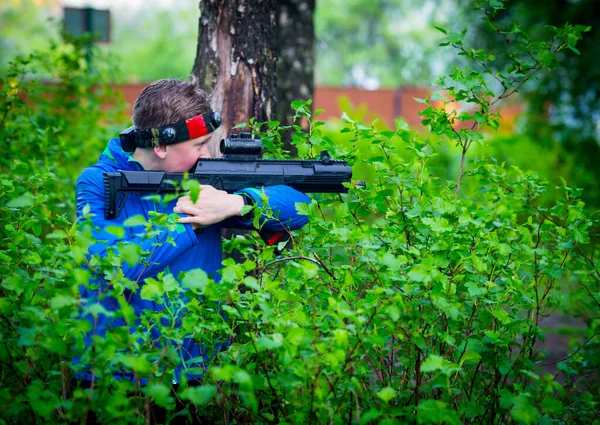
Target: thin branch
<point x="286" y="259"/>
<point x="572" y="354"/>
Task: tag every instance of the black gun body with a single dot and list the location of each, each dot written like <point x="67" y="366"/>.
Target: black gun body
<point x="308" y="176"/>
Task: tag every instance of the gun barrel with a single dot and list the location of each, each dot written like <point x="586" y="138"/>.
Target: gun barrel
<point x="303" y="175"/>
<point x="309" y="176"/>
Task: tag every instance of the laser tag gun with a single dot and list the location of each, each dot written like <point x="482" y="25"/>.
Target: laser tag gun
<point x="241" y="167"/>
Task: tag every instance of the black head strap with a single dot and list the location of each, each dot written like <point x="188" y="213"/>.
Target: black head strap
<point x="171" y="133"/>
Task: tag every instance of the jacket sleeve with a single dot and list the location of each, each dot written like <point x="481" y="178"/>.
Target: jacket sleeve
<point x="159" y="249"/>
<point x="282" y="201"/>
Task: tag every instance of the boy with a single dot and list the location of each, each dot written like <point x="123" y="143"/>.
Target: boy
<point x="172" y="125"/>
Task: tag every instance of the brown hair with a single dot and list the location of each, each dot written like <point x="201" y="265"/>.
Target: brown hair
<point x="168" y="101"/>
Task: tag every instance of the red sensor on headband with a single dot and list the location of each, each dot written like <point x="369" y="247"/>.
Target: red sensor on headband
<point x="196" y="127"/>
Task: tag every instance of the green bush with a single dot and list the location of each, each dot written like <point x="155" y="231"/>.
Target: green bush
<point x="51" y="131"/>
<point x="408" y="301"/>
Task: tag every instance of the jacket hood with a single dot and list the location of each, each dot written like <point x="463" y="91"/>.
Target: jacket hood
<point x="117" y="157"/>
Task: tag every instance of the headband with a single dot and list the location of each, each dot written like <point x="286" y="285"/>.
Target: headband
<point x="171" y="133"/>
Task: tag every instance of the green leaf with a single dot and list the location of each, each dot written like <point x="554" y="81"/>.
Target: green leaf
<point x="199" y="395"/>
<point x="242" y="378"/>
<point x="437" y="225"/>
<point x="193" y="186"/>
<point x="341" y="337"/>
<point x="130" y="253"/>
<point x="371" y="415"/>
<point x="346" y="118"/>
<point x="553" y="405"/>
<point x="302" y="208"/>
<point x="298" y="104"/>
<point x="160" y="393"/>
<point x="57" y="234"/>
<point x="348" y="279"/>
<point x="152" y="290"/>
<point x="523" y="412"/>
<point x="266" y="343"/>
<point x="23" y="201"/>
<point x="401" y="125"/>
<point x="246" y="209"/>
<point x="195" y="279"/>
<point x="501" y="315"/>
<point x="135" y="363"/>
<point x="472" y="357"/>
<point x="455" y="38"/>
<point x="252" y="283"/>
<point x="223" y="373"/>
<point x="5" y="306"/>
<point x="436" y="412"/>
<point x="117" y="231"/>
<point x="393" y="262"/>
<point x="386" y="394"/>
<point x="506" y="398"/>
<point x="295" y="336"/>
<point x="136" y="220"/>
<point x="475" y="290"/>
<point x="420" y="273"/>
<point x="433" y="363"/>
<point x="97" y="310"/>
<point x="62" y="301"/>
<point x="5" y="259"/>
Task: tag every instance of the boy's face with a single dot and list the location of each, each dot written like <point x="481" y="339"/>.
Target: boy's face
<point x="183" y="156"/>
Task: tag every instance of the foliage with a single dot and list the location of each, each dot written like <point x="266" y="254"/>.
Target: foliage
<point x="23" y="28"/>
<point x="573" y="89"/>
<point x="431" y="309"/>
<point x="47" y="130"/>
<point x="526" y="58"/>
<point x="400" y="302"/>
<point x="45" y="124"/>
<point x="562" y="105"/>
<point x="360" y="43"/>
<point x="374" y="44"/>
<point x="165" y="50"/>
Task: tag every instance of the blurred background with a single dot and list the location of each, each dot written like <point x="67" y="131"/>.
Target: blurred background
<point x="371" y="59"/>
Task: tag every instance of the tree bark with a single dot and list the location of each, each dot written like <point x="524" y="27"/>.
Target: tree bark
<point x="296" y="55"/>
<point x="235" y="60"/>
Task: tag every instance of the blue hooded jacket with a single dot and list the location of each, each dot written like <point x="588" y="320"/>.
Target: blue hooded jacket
<point x="188" y="251"/>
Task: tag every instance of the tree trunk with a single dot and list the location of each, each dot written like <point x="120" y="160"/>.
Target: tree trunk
<point x="235" y="60"/>
<point x="296" y="55"/>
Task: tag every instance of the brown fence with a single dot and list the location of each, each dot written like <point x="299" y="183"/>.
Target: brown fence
<point x="385" y="104"/>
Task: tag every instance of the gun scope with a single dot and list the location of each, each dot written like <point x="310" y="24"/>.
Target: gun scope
<point x="241" y="144"/>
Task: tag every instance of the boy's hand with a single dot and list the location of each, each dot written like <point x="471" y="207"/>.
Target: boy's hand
<point x="212" y="206"/>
